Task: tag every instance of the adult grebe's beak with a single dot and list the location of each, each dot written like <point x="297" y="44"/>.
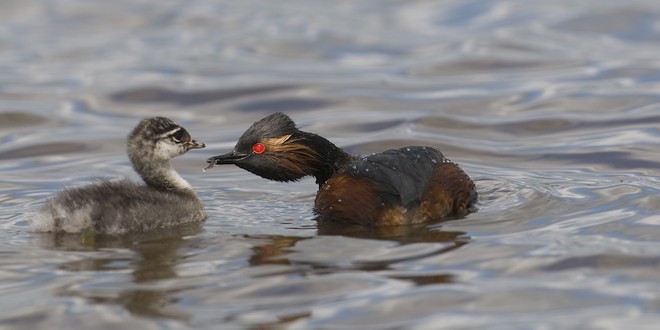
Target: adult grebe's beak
<point x="228" y="158"/>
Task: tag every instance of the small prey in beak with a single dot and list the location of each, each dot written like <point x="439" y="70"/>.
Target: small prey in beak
<point x="228" y="158"/>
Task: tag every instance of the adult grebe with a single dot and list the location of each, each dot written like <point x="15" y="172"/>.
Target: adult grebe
<point x="399" y="186"/>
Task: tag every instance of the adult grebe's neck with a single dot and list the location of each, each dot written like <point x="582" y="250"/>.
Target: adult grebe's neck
<point x="331" y="159"/>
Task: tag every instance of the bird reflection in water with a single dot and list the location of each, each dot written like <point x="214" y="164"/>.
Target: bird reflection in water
<point x="275" y="250"/>
<point x="155" y="256"/>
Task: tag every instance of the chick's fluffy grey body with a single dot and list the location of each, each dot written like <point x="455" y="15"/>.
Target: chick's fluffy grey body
<point x="118" y="207"/>
<point x="122" y="206"/>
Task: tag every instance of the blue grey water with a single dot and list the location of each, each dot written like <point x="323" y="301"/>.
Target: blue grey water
<point x="553" y="107"/>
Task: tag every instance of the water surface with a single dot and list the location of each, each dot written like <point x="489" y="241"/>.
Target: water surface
<point x="551" y="107"/>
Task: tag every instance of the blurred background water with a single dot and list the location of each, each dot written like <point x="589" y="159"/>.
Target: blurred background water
<point x="552" y="107"/>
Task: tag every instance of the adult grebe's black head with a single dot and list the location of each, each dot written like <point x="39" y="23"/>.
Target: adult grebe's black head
<point x="275" y="149"/>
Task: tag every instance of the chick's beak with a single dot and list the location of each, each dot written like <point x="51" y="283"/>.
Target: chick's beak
<point x="228" y="158"/>
<point x="193" y="144"/>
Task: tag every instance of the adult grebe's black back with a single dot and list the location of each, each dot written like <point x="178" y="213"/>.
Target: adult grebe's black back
<point x="117" y="207"/>
<point x="399" y="186"/>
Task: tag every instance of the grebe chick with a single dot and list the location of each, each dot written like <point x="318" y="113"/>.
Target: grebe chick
<point x="400" y="186"/>
<point x="118" y="207"/>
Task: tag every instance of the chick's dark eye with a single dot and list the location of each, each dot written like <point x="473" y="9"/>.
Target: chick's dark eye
<point x="179" y="135"/>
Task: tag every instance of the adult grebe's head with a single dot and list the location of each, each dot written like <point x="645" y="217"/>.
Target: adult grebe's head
<point x="275" y="149"/>
<point x="159" y="139"/>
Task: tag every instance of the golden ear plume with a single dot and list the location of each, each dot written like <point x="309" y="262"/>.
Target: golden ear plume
<point x="297" y="157"/>
<point x="273" y="142"/>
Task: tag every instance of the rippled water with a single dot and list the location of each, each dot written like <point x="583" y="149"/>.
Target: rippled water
<point x="552" y="107"/>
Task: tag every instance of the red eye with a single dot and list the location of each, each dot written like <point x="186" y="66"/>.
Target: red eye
<point x="258" y="148"/>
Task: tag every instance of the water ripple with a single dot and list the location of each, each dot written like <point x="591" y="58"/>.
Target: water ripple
<point x="552" y="107"/>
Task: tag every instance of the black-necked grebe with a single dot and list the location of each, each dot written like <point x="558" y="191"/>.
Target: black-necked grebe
<point x="400" y="186"/>
<point x="117" y="207"/>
